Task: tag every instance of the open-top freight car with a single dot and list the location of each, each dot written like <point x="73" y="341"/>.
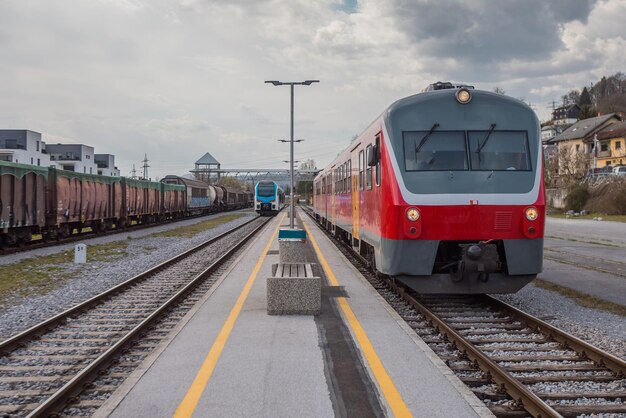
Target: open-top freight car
<point x="22" y="201"/>
<point x="76" y="200"/>
<point x="54" y="203"/>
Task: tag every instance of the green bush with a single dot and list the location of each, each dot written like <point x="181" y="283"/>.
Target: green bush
<point x="576" y="198"/>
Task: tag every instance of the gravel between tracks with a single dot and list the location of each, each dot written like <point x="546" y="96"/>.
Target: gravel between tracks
<point x="20" y="312"/>
<point x="602" y="329"/>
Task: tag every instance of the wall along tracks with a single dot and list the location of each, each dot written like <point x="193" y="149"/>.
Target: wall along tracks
<point x="516" y="363"/>
<point x="80" y="356"/>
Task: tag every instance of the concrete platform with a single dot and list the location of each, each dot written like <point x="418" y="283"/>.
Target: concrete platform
<point x="254" y="364"/>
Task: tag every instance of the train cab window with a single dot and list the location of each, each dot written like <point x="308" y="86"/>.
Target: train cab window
<point x="499" y="150"/>
<point x="361" y="164"/>
<point x="368" y="168"/>
<point x="378" y="160"/>
<point x="435" y="151"/>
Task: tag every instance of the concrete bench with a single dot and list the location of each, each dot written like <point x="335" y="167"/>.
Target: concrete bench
<point x="293" y="290"/>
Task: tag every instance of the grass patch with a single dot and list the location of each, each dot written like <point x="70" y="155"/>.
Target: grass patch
<point x="40" y="275"/>
<point x="582" y="299"/>
<point x="613" y="218"/>
<point x="191" y="230"/>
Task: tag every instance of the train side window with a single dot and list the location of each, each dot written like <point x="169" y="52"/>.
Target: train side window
<point x="344" y="176"/>
<point x="368" y="169"/>
<point x="378" y="160"/>
<point x="361" y="170"/>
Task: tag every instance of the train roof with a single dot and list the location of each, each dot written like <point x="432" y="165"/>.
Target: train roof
<point x="185" y="181"/>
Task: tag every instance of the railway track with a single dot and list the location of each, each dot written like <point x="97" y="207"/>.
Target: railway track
<point x="517" y="364"/>
<point x="71" y="363"/>
<point x="82" y="235"/>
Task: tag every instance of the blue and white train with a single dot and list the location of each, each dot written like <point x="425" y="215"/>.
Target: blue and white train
<point x="269" y="198"/>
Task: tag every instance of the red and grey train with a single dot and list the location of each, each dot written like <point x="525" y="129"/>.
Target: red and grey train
<point x="443" y="191"/>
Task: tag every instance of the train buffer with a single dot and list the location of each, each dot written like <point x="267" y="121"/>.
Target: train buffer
<point x="293" y="289"/>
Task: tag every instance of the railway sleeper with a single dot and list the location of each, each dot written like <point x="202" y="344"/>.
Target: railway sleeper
<point x="505" y="411"/>
<point x="580" y="395"/>
<point x="553" y="367"/>
<point x="595" y="409"/>
<point x="529" y="380"/>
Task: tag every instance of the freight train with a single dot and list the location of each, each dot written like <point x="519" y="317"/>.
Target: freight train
<point x="443" y="191"/>
<point x="269" y="198"/>
<point x="53" y="202"/>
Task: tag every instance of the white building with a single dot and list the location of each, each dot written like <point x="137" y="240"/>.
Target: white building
<point x="106" y="165"/>
<point x="23" y="146"/>
<point x="73" y="157"/>
<point x="26" y="147"/>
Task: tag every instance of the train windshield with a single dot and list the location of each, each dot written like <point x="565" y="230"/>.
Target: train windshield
<point x="489" y="150"/>
<point x="265" y="189"/>
<point x="435" y="150"/>
<point x="499" y="150"/>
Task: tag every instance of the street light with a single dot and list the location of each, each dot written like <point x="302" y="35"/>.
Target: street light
<point x="291" y="141"/>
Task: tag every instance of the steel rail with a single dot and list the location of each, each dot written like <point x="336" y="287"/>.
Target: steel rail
<point x="17" y="340"/>
<point x="68" y="393"/>
<point x="518" y="391"/>
<point x="46" y="243"/>
<point x="586" y="350"/>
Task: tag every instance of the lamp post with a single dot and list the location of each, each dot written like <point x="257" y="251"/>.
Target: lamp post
<point x="292" y="170"/>
<point x="291" y="140"/>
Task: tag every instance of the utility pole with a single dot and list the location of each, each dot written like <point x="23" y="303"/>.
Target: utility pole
<point x="145" y="167"/>
<point x="133" y="173"/>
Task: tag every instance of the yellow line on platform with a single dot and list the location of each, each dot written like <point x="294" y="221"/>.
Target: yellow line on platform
<point x="189" y="403"/>
<point x="385" y="382"/>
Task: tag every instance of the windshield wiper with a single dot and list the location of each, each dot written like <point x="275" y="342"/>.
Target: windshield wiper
<point x="493" y="126"/>
<point x="425" y="138"/>
<point x="481" y="146"/>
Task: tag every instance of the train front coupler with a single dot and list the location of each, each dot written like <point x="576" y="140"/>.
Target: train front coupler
<point x="477" y="260"/>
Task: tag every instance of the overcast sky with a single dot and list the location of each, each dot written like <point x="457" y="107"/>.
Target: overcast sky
<point x="174" y="79"/>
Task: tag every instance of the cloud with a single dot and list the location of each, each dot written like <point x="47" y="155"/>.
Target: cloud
<point x="475" y="31"/>
<point x="175" y="79"/>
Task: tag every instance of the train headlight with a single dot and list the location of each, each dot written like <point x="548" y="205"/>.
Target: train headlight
<point x="412" y="214"/>
<point x="532" y="214"/>
<point x="463" y="96"/>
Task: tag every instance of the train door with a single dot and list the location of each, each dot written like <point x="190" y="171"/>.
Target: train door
<point x="325" y="197"/>
<point x="333" y="201"/>
<point x="356" y="186"/>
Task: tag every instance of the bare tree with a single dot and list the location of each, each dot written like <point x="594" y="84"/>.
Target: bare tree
<point x="573" y="164"/>
<point x="499" y="90"/>
<point x="573" y="97"/>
